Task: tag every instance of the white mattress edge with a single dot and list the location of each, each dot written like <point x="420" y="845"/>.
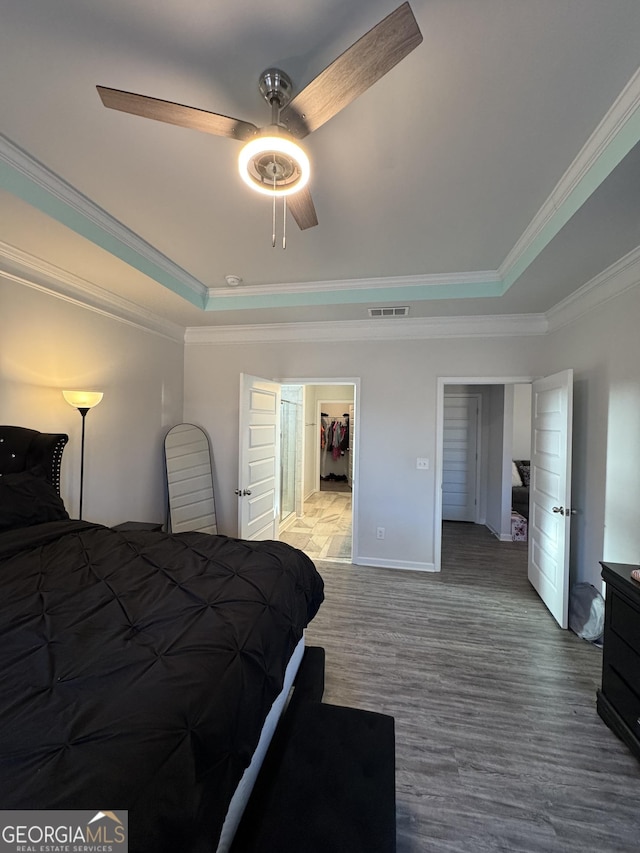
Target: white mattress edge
<point x="245" y="787"/>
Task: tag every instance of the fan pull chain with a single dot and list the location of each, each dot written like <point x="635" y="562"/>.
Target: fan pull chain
<point x="273" y="215"/>
<point x="284" y="222"/>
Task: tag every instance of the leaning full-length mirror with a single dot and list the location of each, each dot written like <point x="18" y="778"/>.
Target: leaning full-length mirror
<point x="187" y="456"/>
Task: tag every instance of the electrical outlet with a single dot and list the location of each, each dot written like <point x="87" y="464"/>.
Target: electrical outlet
<point x="422" y="463"/>
<point x="380" y="533"/>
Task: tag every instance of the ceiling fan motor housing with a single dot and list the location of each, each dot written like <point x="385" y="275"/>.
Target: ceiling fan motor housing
<point x="275" y="87"/>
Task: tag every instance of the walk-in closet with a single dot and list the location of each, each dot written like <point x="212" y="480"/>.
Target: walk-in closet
<point x="335" y="435"/>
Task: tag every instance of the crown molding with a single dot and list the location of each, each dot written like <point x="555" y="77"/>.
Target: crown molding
<point x="479" y="277"/>
<point x="399" y="329"/>
<point x="25" y="269"/>
<point x="610" y="142"/>
<point x="621" y="276"/>
<point x="418" y="288"/>
<point x="32" y="181"/>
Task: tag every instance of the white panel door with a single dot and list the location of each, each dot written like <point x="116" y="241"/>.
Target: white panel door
<point x="459" y="457"/>
<point x="259" y="458"/>
<point x="550" y="491"/>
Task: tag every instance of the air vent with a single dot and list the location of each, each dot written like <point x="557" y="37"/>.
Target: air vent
<point x="396" y="311"/>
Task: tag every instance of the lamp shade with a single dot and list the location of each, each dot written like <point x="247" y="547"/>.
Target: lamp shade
<point x="83" y="399"/>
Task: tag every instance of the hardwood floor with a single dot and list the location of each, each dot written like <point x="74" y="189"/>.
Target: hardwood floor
<point x="498" y="743"/>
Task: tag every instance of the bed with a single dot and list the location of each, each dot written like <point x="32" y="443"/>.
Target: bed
<point x="138" y="668"/>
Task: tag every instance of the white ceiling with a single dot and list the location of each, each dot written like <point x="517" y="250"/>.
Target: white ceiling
<point x="445" y="187"/>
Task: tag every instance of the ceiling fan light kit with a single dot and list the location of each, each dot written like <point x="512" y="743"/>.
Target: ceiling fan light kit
<point x="275" y="165"/>
<point x="272" y="162"/>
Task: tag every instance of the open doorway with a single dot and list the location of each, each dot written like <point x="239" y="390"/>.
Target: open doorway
<point x="484" y="424"/>
<point x="318" y="462"/>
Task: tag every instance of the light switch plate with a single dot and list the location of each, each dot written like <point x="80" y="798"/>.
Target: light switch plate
<point x="422" y="463"/>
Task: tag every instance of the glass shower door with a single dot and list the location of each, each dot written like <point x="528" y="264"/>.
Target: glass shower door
<point x="288" y="458"/>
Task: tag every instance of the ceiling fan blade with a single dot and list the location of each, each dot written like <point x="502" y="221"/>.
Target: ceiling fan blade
<point x="352" y="73"/>
<point x="191" y="117"/>
<point x="302" y="209"/>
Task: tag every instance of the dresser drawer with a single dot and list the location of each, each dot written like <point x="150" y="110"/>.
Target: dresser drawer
<point x="625" y="700"/>
<point x="620" y="656"/>
<point x="625" y="621"/>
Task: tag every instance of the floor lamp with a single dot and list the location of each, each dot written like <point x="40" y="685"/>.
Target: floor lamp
<point x="82" y="401"/>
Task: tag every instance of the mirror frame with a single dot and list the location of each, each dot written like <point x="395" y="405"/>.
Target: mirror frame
<point x="188" y="464"/>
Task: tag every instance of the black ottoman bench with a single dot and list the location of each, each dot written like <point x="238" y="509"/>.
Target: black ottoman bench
<point x="327" y="784"/>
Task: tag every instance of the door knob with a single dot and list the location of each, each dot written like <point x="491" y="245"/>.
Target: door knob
<point x="246" y="491"/>
<point x="559" y="509"/>
<point x="238" y="492"/>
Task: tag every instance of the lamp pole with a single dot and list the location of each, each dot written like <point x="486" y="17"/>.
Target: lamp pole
<point x="82" y="401"/>
<point x="83" y="411"/>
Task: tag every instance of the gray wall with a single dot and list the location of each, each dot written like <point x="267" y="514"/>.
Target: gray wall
<point x="521" y="422"/>
<point x="397" y="407"/>
<point x="496" y="438"/>
<point x="602" y="346"/>
<point x="47" y="344"/>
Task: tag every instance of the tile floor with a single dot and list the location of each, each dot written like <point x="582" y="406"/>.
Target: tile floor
<point x="324" y="532"/>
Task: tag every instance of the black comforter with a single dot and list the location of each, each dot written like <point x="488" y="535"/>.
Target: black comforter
<point x="137" y="670"/>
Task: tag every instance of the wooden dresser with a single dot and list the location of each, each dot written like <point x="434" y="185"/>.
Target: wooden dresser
<point x="619" y="698"/>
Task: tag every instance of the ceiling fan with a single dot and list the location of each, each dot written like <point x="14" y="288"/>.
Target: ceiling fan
<point x="272" y="162"/>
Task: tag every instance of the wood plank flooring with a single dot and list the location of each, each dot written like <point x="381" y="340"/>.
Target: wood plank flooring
<point x="498" y="743"/>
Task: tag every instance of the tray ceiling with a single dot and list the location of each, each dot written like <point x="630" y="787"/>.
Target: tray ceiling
<point x="493" y="171"/>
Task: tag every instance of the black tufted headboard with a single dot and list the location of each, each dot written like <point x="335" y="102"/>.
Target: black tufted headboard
<point x="23" y="449"/>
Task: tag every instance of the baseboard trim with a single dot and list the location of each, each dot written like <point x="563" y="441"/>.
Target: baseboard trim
<point x="377" y="563"/>
<point x="288" y="522"/>
<point x="501" y="537"/>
